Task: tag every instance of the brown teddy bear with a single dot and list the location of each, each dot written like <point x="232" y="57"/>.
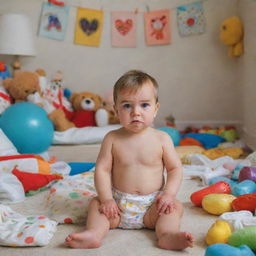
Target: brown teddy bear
<point x="25" y="86"/>
<point x="89" y="110"/>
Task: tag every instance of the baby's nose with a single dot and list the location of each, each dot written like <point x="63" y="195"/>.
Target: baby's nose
<point x="136" y="111"/>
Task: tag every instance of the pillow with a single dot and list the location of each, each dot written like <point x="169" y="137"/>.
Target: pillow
<point x="34" y="181"/>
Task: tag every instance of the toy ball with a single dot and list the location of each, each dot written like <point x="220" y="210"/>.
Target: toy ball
<point x="173" y="133"/>
<point x="27" y="127"/>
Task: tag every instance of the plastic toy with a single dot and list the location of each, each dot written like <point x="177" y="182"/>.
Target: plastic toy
<point x="244" y="187"/>
<point x="231" y="34"/>
<point x="208" y="140"/>
<point x="247" y="173"/>
<point x="245" y="202"/>
<point x="28" y="127"/>
<point x="34" y="181"/>
<point x="218" y="233"/>
<point x="219" y="187"/>
<point x="77" y="168"/>
<point x="173" y="133"/>
<point x="228" y="250"/>
<point x="236" y="172"/>
<point x="245" y="236"/>
<point x="213" y="180"/>
<point x="218" y="203"/>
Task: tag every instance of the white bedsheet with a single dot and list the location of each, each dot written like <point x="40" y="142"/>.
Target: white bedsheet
<point x="85" y="135"/>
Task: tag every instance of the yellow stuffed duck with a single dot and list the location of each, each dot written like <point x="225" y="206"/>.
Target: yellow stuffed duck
<point x="231" y="34"/>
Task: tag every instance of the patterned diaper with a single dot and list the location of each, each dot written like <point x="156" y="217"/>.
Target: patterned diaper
<point x="133" y="208"/>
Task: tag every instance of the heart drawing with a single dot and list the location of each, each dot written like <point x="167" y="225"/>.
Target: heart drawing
<point x="89" y="27"/>
<point x="123" y="27"/>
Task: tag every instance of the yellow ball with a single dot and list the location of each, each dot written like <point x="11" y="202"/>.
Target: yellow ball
<point x="218" y="203"/>
<point x="219" y="232"/>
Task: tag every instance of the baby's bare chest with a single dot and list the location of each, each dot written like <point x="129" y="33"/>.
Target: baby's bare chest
<point x="138" y="152"/>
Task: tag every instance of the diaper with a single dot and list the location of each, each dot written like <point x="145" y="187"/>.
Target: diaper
<point x="133" y="208"/>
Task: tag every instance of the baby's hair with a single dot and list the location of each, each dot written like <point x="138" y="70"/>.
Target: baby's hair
<point x="133" y="80"/>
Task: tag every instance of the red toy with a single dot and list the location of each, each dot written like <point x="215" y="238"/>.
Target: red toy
<point x="245" y="202"/>
<point x="34" y="181"/>
<point x="220" y="187"/>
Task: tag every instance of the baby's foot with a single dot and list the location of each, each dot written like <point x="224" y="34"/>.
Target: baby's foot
<point x="178" y="241"/>
<point x="85" y="239"/>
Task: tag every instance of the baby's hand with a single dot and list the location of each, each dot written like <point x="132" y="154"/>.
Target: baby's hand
<point x="109" y="208"/>
<point x="165" y="203"/>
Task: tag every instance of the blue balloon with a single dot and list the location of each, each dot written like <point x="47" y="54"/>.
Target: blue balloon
<point x="28" y="127"/>
<point x="173" y="133"/>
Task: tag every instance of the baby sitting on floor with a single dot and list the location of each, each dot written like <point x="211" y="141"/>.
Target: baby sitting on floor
<point x="129" y="176"/>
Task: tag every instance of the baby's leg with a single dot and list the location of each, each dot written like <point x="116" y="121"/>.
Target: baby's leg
<point x="167" y="228"/>
<point x="97" y="227"/>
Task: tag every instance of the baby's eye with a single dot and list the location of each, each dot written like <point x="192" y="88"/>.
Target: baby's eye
<point x="144" y="105"/>
<point x="126" y="106"/>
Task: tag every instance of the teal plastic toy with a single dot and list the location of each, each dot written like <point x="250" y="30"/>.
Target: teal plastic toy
<point x="228" y="250"/>
<point x="244" y="187"/>
<point x="173" y="133"/>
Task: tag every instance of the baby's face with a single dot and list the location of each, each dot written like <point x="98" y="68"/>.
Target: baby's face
<point x="136" y="110"/>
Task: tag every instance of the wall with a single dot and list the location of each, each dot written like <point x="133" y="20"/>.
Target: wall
<point x="198" y="82"/>
<point x="247" y="9"/>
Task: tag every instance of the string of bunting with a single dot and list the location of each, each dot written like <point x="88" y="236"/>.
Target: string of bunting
<point x="89" y="24"/>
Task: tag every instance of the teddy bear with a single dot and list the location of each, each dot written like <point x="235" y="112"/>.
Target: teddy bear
<point x="54" y="92"/>
<point x="89" y="110"/>
<point x="231" y="34"/>
<point x="25" y="86"/>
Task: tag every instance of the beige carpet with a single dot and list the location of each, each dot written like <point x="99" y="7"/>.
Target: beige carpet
<point x="117" y="242"/>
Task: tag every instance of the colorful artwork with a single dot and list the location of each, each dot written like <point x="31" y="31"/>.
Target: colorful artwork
<point x="89" y="24"/>
<point x="53" y="22"/>
<point x="123" y="29"/>
<point x="157" y="27"/>
<point x="191" y="20"/>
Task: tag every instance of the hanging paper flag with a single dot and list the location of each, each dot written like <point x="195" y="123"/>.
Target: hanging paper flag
<point x="89" y="24"/>
<point x="191" y="20"/>
<point x="53" y="23"/>
<point x="123" y="29"/>
<point x="157" y="27"/>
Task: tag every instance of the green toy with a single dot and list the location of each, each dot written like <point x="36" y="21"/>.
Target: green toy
<point x="245" y="236"/>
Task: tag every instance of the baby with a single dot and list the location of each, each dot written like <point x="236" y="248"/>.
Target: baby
<point x="129" y="177"/>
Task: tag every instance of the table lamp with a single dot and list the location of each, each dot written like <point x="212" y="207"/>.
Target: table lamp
<point x="16" y="37"/>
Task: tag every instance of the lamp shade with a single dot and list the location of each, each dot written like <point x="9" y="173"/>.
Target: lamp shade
<point x="16" y="36"/>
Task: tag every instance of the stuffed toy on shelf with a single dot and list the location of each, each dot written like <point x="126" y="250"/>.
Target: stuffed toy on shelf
<point x="231" y="34"/>
<point x="89" y="110"/>
<point x="25" y="86"/>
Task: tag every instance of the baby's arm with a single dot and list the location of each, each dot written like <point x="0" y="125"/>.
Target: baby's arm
<point x="103" y="182"/>
<point x="172" y="163"/>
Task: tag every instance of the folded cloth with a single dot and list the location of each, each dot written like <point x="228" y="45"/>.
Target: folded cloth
<point x="20" y="230"/>
<point x="239" y="219"/>
<point x="11" y="189"/>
